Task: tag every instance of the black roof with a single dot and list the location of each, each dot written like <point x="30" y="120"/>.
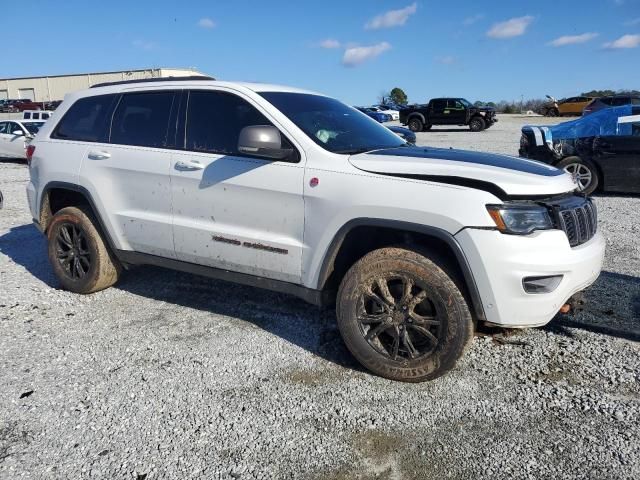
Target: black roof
<point x="153" y="80"/>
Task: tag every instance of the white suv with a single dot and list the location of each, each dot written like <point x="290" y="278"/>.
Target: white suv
<point x="294" y="191"/>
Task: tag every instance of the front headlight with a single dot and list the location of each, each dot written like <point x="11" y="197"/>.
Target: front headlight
<point x="520" y="219"/>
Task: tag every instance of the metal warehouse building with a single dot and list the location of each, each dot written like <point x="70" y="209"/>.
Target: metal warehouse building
<point x="55" y="87"/>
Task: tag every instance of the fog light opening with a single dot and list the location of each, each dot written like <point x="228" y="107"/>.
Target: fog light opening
<point x="542" y="284"/>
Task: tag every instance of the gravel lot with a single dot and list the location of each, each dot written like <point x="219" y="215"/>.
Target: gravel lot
<point x="169" y="375"/>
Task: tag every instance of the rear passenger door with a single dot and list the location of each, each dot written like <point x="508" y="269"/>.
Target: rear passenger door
<point x="232" y="210"/>
<point x="437" y="114"/>
<point x="128" y="173"/>
<point x="619" y="156"/>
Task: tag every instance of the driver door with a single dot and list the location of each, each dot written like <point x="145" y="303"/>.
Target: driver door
<point x="231" y="210"/>
<point x="12" y="146"/>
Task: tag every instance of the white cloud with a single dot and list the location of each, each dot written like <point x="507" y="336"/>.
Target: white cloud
<point x="206" y="23"/>
<point x="330" y="43"/>
<point x="632" y="22"/>
<point x="392" y="18"/>
<point x="355" y="56"/>
<point x="143" y="44"/>
<point x="513" y="27"/>
<point x="446" y="60"/>
<point x="572" y="39"/>
<point x="625" y="41"/>
<point x="472" y="19"/>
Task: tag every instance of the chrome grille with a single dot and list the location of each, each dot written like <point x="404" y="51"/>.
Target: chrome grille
<point x="578" y="220"/>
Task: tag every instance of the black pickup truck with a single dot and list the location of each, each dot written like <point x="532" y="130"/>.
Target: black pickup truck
<point x="447" y="111"/>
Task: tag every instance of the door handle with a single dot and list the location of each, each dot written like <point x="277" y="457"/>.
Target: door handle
<point x="189" y="165"/>
<point x="95" y="155"/>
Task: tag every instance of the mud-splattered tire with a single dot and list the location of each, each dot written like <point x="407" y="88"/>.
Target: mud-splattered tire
<point x="78" y="254"/>
<point x="477" y="124"/>
<point x="413" y="330"/>
<point x="415" y="124"/>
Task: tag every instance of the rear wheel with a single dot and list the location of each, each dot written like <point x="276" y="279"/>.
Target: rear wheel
<point x="553" y="112"/>
<point x="78" y="254"/>
<point x="402" y="316"/>
<point x="477" y="124"/>
<point x="415" y="124"/>
<point x="583" y="171"/>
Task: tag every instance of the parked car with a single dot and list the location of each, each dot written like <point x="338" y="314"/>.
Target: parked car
<point x="448" y="111"/>
<point x="611" y="101"/>
<point x="395" y="114"/>
<point x="36" y="115"/>
<point x="404" y="133"/>
<point x="601" y="150"/>
<point x="573" y="106"/>
<point x="15" y="135"/>
<point x="51" y="106"/>
<point x="20" y="105"/>
<point x="375" y="114"/>
<point x="296" y="192"/>
<point x="550" y="108"/>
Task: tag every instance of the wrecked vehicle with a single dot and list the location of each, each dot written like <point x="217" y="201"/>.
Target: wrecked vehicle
<point x="601" y="150"/>
<point x="447" y="111"/>
<point x="293" y="191"/>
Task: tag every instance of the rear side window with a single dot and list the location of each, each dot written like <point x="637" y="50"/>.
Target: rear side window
<point x="142" y="119"/>
<point x="439" y="104"/>
<point x="86" y="120"/>
<point x="215" y="119"/>
<point x="619" y="101"/>
<point x="635" y="101"/>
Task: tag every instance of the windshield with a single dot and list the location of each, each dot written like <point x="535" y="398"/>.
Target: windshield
<point x="332" y="124"/>
<point x="33" y="127"/>
<point x="466" y="102"/>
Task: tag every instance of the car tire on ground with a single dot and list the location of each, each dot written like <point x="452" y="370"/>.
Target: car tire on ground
<point x="477" y="124"/>
<point x="584" y="171"/>
<point x="78" y="254"/>
<point x="415" y="124"/>
<point x="402" y="316"/>
<point x="553" y="112"/>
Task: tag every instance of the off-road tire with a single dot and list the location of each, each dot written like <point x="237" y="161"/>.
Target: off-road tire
<point x="477" y="124"/>
<point x="102" y="268"/>
<point x="592" y="186"/>
<point x="453" y="333"/>
<point x="415" y="124"/>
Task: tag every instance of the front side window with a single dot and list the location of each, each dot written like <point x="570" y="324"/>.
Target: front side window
<point x="142" y="119"/>
<point x="215" y="119"/>
<point x="86" y="120"/>
<point x="332" y="124"/>
<point x="14" y="127"/>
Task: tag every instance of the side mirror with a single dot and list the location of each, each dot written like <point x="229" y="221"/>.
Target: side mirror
<point x="18" y="133"/>
<point x="263" y="141"/>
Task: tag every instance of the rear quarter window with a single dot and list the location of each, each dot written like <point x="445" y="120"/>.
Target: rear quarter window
<point x="86" y="120"/>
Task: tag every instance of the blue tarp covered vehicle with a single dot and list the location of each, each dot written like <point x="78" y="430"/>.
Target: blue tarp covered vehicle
<point x="601" y="150"/>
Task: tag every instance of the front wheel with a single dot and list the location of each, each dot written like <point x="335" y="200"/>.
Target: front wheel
<point x="402" y="316"/>
<point x="477" y="124"/>
<point x="583" y="171"/>
<point x="78" y="254"/>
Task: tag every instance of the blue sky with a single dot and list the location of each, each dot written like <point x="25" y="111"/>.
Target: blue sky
<point x="350" y="49"/>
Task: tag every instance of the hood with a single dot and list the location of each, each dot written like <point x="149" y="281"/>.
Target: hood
<point x="502" y="175"/>
<point x="485" y="108"/>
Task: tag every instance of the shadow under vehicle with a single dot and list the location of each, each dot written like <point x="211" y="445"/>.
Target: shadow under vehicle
<point x="601" y="151"/>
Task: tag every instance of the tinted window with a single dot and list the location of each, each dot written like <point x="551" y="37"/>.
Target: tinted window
<point x="142" y="119"/>
<point x="4" y="127"/>
<point x="215" y="119"/>
<point x="439" y="104"/>
<point x="333" y="125"/>
<point x="619" y="101"/>
<point x="27" y="115"/>
<point x="33" y="127"/>
<point x="606" y="100"/>
<point x="86" y="120"/>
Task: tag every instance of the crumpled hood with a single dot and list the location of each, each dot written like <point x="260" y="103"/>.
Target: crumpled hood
<point x="502" y="175"/>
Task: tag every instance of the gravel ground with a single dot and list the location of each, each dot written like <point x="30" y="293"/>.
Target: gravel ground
<point x="169" y="375"/>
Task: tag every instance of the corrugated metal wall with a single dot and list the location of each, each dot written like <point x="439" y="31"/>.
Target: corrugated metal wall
<point x="55" y="88"/>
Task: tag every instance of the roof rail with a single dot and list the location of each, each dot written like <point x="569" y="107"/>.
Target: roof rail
<point x="150" y="80"/>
